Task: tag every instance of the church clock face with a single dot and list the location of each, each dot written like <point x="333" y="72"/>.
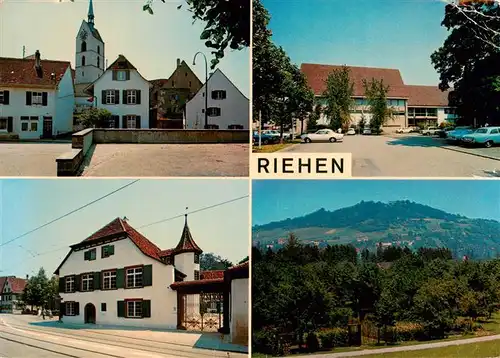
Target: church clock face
<point x="83" y="35"/>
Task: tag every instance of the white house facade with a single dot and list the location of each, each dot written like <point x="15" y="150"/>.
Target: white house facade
<point x="227" y="107"/>
<point x="125" y="93"/>
<point x="11" y="290"/>
<point x="118" y="277"/>
<point x="36" y="97"/>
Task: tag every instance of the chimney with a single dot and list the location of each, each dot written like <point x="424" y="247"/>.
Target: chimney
<point x="178" y="62"/>
<point x="37" y="60"/>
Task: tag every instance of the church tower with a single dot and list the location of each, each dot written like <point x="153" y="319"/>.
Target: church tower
<point x="89" y="60"/>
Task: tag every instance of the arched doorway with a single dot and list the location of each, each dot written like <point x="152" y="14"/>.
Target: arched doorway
<point x="89" y="313"/>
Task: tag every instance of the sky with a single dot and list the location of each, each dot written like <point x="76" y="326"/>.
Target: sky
<point x="275" y="200"/>
<point x="28" y="203"/>
<point x="399" y="34"/>
<point x="152" y="43"/>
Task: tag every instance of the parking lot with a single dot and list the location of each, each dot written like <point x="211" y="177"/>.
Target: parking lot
<point x="409" y="155"/>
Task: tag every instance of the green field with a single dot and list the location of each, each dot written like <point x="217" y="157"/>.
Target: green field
<point x="488" y="349"/>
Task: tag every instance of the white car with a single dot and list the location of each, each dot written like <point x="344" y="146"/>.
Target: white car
<point x="351" y="131"/>
<point x="430" y="131"/>
<point x="367" y="131"/>
<point x="323" y="135"/>
<point x="404" y="130"/>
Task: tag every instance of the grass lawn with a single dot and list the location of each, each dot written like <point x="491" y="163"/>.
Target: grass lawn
<point x="271" y="148"/>
<point x="477" y="350"/>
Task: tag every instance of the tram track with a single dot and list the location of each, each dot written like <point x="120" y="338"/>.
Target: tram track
<point x="167" y="348"/>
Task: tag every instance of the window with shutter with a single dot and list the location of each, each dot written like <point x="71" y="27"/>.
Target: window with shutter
<point x="219" y="94"/>
<point x="146" y="308"/>
<point x="70" y="284"/>
<point x="196" y="275"/>
<point x="109" y="280"/>
<point x="2" y="96"/>
<point x="134" y="277"/>
<point x="214" y="112"/>
<point x="147" y="279"/>
<point x="88" y="282"/>
<point x="4" y="121"/>
<point x="107" y="251"/>
<point x="133" y="309"/>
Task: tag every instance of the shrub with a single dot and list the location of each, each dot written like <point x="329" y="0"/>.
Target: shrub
<point x="408" y="331"/>
<point x="266" y="341"/>
<point x="333" y="337"/>
<point x="312" y="342"/>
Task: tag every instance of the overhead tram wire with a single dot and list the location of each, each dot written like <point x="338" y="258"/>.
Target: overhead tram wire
<point x="69" y="213"/>
<point x="161" y="221"/>
<point x="194" y="211"/>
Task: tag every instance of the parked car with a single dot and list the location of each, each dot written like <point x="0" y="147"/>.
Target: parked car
<point x="429" y="131"/>
<point x="265" y="138"/>
<point x="351" y="131"/>
<point x="457" y="134"/>
<point x="443" y="132"/>
<point x="323" y="135"/>
<point x="367" y="131"/>
<point x="487" y="136"/>
<point x="404" y="130"/>
<point x="270" y="132"/>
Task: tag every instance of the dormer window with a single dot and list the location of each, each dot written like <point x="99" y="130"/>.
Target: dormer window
<point x="121" y="75"/>
<point x="90" y="255"/>
<point x="107" y="251"/>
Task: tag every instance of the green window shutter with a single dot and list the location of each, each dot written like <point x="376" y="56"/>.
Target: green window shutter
<point x="146" y="308"/>
<point x="77" y="308"/>
<point x="77" y="282"/>
<point x="86" y="255"/>
<point x="111" y="249"/>
<point x="102" y="251"/>
<point x="147" y="275"/>
<point x="97" y="280"/>
<point x="120" y="278"/>
<point x="121" y="308"/>
<point x="61" y="284"/>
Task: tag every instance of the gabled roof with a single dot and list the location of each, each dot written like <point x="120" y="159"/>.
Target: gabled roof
<point x="218" y="71"/>
<point x="3" y="279"/>
<point x="427" y="96"/>
<point x="186" y="243"/>
<point x="17" y="285"/>
<point x="120" y="226"/>
<point x="316" y="75"/>
<point x="211" y="275"/>
<point x="21" y="72"/>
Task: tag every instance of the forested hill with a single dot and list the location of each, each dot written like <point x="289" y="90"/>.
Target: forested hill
<point x="402" y="223"/>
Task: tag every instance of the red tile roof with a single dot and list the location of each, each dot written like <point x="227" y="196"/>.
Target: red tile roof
<point x="317" y="74"/>
<point x="211" y="275"/>
<point x="427" y="96"/>
<point x="17" y="285"/>
<point x="119" y="226"/>
<point x="242" y="266"/>
<point x="21" y="72"/>
<point x="196" y="283"/>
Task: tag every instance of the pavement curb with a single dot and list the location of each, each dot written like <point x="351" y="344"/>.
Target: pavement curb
<point x="287" y="149"/>
<point x="476" y="154"/>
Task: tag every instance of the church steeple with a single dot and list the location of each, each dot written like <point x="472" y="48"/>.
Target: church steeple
<point x="186" y="243"/>
<point x="91" y="15"/>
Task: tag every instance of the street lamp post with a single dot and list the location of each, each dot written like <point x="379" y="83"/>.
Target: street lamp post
<point x="206" y="84"/>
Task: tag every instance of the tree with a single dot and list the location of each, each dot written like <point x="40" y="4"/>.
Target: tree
<point x="467" y="62"/>
<point x="227" y="24"/>
<point x="37" y="290"/>
<point x="376" y="95"/>
<point x="338" y="95"/>
<point x="210" y="261"/>
<point x="95" y="117"/>
<point x="314" y="117"/>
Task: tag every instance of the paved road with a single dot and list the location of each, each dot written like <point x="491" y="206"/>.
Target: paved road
<point x="30" y="159"/>
<point x="408" y="348"/>
<point x="405" y="156"/>
<point x="169" y="160"/>
<point x="20" y="339"/>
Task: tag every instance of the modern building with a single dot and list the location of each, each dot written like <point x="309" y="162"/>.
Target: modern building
<point x="11" y="290"/>
<point x="411" y="105"/>
<point x="90" y="61"/>
<point x="117" y="276"/>
<point x="169" y="96"/>
<point x="227" y="107"/>
<point x="36" y="97"/>
<point x="123" y="91"/>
